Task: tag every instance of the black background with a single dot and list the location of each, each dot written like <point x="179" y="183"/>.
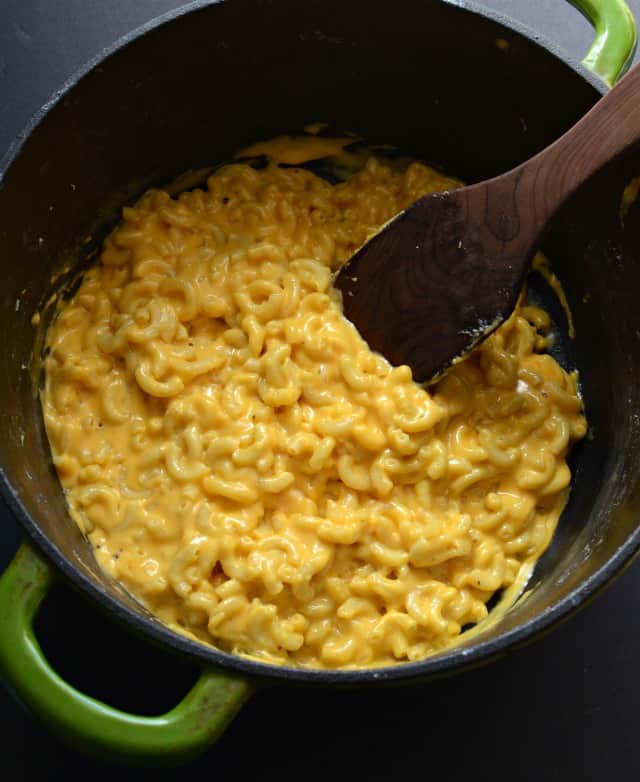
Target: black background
<point x="562" y="709"/>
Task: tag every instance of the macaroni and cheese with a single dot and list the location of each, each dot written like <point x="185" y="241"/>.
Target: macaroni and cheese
<point x="256" y="476"/>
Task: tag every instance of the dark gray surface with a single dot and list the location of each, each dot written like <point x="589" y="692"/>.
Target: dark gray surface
<point x="562" y="709"/>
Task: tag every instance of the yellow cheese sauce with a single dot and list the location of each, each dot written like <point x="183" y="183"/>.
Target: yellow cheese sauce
<point x="629" y="197"/>
<point x="543" y="267"/>
<point x="257" y="477"/>
<point x="295" y="150"/>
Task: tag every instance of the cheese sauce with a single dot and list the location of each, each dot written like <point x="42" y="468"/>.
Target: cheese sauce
<point x="252" y="472"/>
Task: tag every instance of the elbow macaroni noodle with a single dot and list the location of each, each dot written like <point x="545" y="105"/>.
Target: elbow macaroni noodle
<point x="252" y="472"/>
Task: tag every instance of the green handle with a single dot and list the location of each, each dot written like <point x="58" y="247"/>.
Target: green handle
<point x="189" y="728"/>
<point x="613" y="47"/>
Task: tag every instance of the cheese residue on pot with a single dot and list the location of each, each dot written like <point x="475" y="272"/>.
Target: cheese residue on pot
<point x="255" y="475"/>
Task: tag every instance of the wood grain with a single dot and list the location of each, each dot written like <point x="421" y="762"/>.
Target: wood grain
<point x="441" y="276"/>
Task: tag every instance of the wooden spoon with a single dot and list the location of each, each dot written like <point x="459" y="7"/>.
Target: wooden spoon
<point x="442" y="275"/>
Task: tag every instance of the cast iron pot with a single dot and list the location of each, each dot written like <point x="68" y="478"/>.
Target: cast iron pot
<point x="447" y="82"/>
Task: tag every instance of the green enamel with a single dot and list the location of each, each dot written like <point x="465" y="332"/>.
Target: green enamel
<point x="192" y="726"/>
<point x="614" y="45"/>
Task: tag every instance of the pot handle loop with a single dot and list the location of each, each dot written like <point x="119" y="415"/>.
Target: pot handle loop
<point x="189" y="728"/>
<point x="615" y="42"/>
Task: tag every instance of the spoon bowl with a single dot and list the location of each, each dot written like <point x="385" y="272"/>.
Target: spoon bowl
<point x="442" y="275"/>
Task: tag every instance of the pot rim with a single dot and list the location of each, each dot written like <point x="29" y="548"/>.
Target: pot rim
<point x="456" y="658"/>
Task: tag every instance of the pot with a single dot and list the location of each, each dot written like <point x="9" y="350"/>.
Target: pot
<point x="434" y="78"/>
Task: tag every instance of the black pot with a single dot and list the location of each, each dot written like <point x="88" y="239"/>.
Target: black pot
<point x="457" y="86"/>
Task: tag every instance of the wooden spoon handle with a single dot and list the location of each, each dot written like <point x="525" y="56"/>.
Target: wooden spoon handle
<point x="542" y="184"/>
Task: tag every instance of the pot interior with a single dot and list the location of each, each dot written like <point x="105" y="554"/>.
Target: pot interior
<point x="445" y="85"/>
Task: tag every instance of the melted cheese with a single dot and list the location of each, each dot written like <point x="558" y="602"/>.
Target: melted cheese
<point x="629" y="197"/>
<point x="294" y="150"/>
<point x="253" y="473"/>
